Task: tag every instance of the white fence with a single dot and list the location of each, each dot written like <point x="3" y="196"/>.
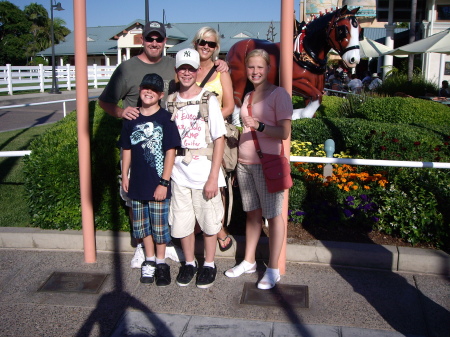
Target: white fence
<point x="17" y="78"/>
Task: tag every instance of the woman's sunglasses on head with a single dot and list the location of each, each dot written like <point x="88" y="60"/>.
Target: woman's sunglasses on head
<point x="210" y="44"/>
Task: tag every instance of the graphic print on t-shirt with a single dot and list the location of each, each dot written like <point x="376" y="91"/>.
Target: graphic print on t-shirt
<point x="150" y="137"/>
<point x="191" y="127"/>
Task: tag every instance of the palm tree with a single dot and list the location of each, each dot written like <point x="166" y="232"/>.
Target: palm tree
<point x="41" y="29"/>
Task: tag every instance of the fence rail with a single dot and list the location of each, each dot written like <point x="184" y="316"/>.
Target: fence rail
<point x="21" y="78"/>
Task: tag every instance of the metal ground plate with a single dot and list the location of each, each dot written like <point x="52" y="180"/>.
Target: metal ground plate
<point x="281" y="295"/>
<point x="74" y="282"/>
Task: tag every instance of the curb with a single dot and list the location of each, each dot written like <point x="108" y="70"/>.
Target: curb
<point x="360" y="255"/>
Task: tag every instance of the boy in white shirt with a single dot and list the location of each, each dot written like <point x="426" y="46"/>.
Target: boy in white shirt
<point x="196" y="175"/>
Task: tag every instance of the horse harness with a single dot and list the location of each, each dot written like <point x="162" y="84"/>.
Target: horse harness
<point x="341" y="32"/>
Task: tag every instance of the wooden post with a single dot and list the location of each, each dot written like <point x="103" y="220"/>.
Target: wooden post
<point x="286" y="64"/>
<point x="84" y="147"/>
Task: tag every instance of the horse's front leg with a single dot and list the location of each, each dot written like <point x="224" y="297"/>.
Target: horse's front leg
<point x="313" y="98"/>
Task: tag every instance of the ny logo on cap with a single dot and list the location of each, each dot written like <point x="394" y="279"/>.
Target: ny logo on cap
<point x="187" y="53"/>
<point x="155" y="25"/>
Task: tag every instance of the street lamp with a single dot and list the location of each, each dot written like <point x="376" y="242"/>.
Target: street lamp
<point x="54" y="89"/>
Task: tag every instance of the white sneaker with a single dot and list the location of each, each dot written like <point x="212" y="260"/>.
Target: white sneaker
<point x="242" y="268"/>
<point x="270" y="278"/>
<point x="174" y="253"/>
<point x="138" y="258"/>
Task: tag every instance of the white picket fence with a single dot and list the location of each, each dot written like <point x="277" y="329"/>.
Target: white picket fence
<point x="20" y="78"/>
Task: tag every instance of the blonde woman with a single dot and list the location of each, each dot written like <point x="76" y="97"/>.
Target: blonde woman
<point x="207" y="42"/>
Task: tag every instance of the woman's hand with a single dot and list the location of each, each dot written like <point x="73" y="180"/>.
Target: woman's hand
<point x="222" y="66"/>
<point x="250" y="122"/>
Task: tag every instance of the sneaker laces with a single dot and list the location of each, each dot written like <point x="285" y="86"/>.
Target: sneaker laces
<point x="204" y="275"/>
<point x="148" y="270"/>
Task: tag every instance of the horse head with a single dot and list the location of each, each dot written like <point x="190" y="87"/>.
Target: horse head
<point x="344" y="34"/>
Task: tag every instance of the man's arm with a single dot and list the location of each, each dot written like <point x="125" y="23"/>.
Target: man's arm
<point x="116" y="111"/>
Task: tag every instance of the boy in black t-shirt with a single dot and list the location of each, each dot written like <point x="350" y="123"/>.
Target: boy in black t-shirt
<point x="148" y="144"/>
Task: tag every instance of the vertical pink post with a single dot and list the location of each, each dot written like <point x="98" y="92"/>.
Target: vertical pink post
<point x="286" y="64"/>
<point x="84" y="148"/>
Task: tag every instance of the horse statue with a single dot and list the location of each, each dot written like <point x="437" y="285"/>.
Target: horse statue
<point x="338" y="29"/>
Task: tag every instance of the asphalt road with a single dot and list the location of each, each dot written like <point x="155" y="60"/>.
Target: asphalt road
<point x="29" y="116"/>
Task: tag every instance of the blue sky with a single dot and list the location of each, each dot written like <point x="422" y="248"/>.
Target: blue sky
<point x="122" y="12"/>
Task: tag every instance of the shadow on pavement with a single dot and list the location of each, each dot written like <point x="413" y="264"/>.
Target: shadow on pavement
<point x="113" y="305"/>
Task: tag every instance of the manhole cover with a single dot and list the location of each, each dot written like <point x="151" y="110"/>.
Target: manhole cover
<point x="74" y="282"/>
<point x="280" y="295"/>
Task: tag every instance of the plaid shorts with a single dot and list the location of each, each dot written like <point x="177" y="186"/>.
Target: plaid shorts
<point x="254" y="194"/>
<point x="151" y="218"/>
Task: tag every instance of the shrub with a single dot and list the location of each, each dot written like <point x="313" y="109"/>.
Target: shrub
<point x="375" y="140"/>
<point x="329" y="108"/>
<point x="412" y="111"/>
<point x="52" y="175"/>
<point x="398" y="82"/>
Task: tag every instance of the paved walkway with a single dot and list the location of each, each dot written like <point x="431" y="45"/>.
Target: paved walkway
<point x="343" y="301"/>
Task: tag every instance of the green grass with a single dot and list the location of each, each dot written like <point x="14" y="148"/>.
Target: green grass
<point x="13" y="205"/>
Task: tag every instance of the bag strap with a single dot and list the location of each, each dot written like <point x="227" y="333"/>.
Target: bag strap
<point x="208" y="75"/>
<point x="254" y="136"/>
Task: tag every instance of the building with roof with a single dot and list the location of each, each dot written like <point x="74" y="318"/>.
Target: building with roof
<point x="111" y="45"/>
<point x="114" y="44"/>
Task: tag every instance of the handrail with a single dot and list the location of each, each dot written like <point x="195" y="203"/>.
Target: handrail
<point x="370" y="162"/>
<point x="14" y="153"/>
<point x="320" y="160"/>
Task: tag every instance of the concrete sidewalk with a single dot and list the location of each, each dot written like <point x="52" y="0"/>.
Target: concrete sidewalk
<point x="344" y="298"/>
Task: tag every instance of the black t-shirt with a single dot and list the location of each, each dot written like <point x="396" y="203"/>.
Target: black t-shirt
<point x="148" y="137"/>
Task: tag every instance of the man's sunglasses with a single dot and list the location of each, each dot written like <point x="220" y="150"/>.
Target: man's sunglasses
<point x="210" y="44"/>
<point x="157" y="39"/>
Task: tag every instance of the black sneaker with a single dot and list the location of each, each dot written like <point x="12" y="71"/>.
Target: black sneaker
<point x="162" y="274"/>
<point x="206" y="277"/>
<point x="186" y="274"/>
<point x="148" y="272"/>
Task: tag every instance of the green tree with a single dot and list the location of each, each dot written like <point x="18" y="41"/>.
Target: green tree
<point x="14" y="34"/>
<point x="41" y="28"/>
<point x="23" y="34"/>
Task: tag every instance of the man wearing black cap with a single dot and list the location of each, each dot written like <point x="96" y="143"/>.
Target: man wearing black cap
<point x="124" y="82"/>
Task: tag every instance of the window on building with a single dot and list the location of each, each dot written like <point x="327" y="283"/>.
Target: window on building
<point x="443" y="12"/>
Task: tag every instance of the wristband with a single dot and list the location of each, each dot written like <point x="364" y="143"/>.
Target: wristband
<point x="164" y="182"/>
<point x="261" y="127"/>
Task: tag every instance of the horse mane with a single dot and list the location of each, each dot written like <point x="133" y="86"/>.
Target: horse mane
<point x="314" y="40"/>
<point x="320" y="23"/>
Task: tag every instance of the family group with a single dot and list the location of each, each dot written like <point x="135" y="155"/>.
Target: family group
<point x="172" y="144"/>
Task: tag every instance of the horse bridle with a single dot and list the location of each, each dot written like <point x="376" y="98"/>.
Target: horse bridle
<point x="341" y="32"/>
